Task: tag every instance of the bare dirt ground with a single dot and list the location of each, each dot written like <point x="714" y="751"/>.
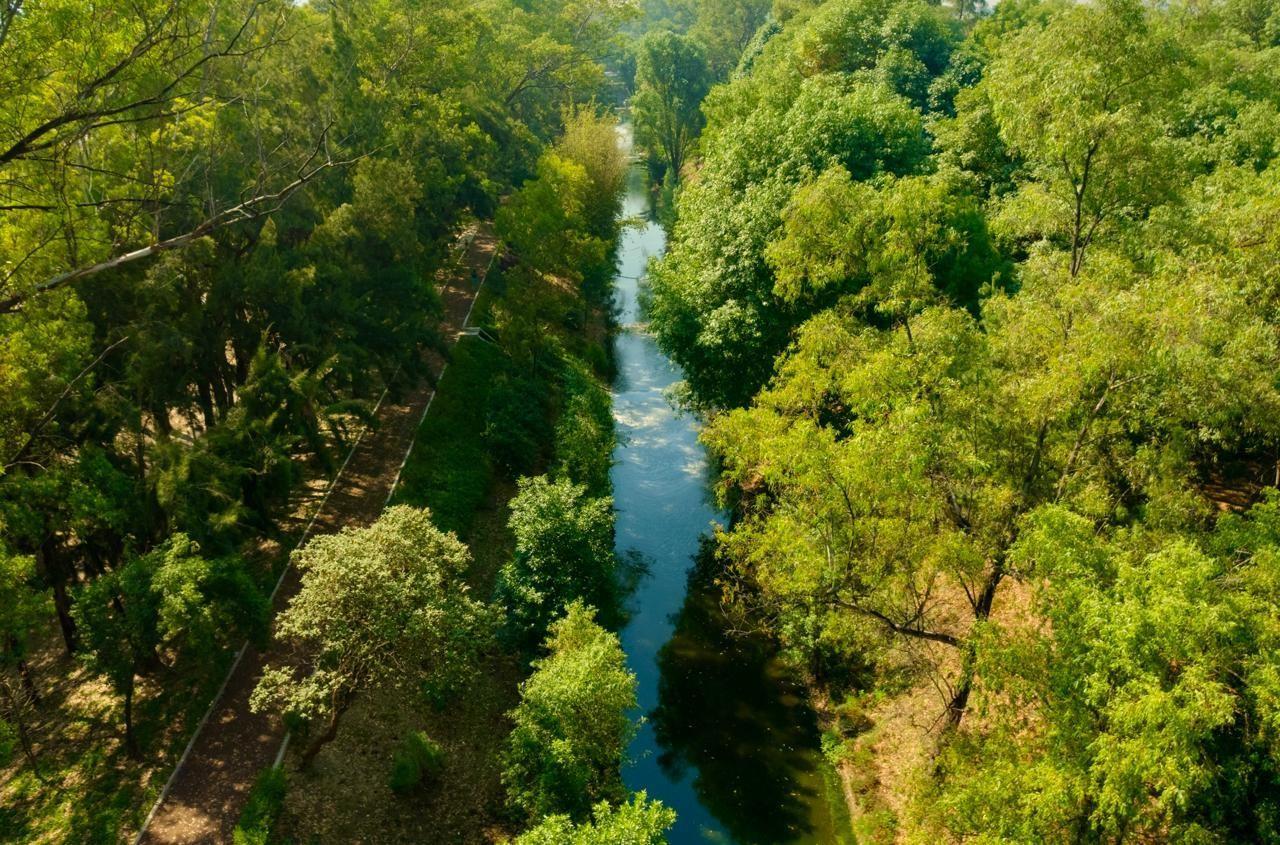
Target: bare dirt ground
<point x="209" y="790"/>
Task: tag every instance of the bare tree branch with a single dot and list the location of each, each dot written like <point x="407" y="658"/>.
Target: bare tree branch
<point x="253" y="208"/>
<point x="47" y="417"/>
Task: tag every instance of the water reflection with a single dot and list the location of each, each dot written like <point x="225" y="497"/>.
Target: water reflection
<point x="728" y="742"/>
<point x="729" y="714"/>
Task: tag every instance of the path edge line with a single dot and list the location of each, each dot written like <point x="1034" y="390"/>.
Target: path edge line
<point x="186" y="752"/>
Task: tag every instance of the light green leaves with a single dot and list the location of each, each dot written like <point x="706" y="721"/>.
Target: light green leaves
<point x="384" y="606"/>
<point x="571" y="727"/>
<point x="637" y="822"/>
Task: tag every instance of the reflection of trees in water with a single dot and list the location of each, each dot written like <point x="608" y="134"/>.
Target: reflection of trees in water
<point x="726" y="708"/>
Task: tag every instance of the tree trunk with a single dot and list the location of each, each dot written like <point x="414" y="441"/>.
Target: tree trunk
<point x="160" y="414"/>
<point x="206" y="404"/>
<point x="14" y="709"/>
<point x="28" y="683"/>
<point x="130" y="741"/>
<point x="339" y="706"/>
<point x="55" y="574"/>
<point x="981" y="612"/>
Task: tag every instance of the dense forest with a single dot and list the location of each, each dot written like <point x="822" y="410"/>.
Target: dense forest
<point x="981" y="309"/>
<point x="308" y="333"/>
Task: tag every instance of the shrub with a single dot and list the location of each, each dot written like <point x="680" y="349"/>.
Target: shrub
<point x="571" y="731"/>
<point x="418" y="758"/>
<point x="637" y="822"/>
<point x="449" y="468"/>
<point x="262" y="810"/>
<point x="516" y="423"/>
<point x="584" y="433"/>
<point x="564" y="551"/>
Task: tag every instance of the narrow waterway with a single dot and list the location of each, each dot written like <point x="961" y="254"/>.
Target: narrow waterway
<point x="728" y="741"/>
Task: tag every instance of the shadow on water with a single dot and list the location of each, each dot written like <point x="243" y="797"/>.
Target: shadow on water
<point x="731" y="715"/>
<point x="729" y="743"/>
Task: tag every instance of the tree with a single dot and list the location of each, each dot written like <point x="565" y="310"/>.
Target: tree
<point x="987" y="495"/>
<point x="885" y="474"/>
<point x="831" y="91"/>
<point x="584" y="435"/>
<point x="171" y="603"/>
<point x="636" y="822"/>
<point x="896" y="247"/>
<point x="22" y="610"/>
<point x="1084" y="99"/>
<point x="158" y="63"/>
<point x="384" y="606"/>
<point x="545" y="223"/>
<point x="571" y="732"/>
<point x="725" y="28"/>
<point x="591" y="140"/>
<point x="564" y="551"/>
<point x="1153" y="696"/>
<point x="713" y="301"/>
<point x="672" y="78"/>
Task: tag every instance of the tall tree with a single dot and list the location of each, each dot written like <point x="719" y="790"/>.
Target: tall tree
<point x="171" y="602"/>
<point x="571" y="732"/>
<point x="1085" y="100"/>
<point x="564" y="552"/>
<point x="672" y="78"/>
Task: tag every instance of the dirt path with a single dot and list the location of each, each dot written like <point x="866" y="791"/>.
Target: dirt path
<point x="209" y="787"/>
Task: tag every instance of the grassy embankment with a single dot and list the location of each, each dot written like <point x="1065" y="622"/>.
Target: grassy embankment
<point x="497" y="415"/>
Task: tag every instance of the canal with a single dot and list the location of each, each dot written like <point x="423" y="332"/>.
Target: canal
<point x="728" y="741"/>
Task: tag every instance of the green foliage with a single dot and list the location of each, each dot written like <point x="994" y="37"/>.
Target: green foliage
<point x="24" y="606"/>
<point x="590" y="138"/>
<point x="636" y="822"/>
<point x="418" y="759"/>
<point x="895" y="247"/>
<point x="545" y="222"/>
<point x="449" y="469"/>
<point x="990" y="384"/>
<point x="296" y="236"/>
<point x="564" y="552"/>
<point x="516" y="426"/>
<point x="819" y="97"/>
<point x="171" y="601"/>
<point x="672" y="78"/>
<point x="584" y="435"/>
<point x="1156" y="690"/>
<point x="262" y="809"/>
<point x="563" y="221"/>
<point x="206" y="284"/>
<point x="1084" y="100"/>
<point x="571" y="732"/>
<point x="380" y="607"/>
